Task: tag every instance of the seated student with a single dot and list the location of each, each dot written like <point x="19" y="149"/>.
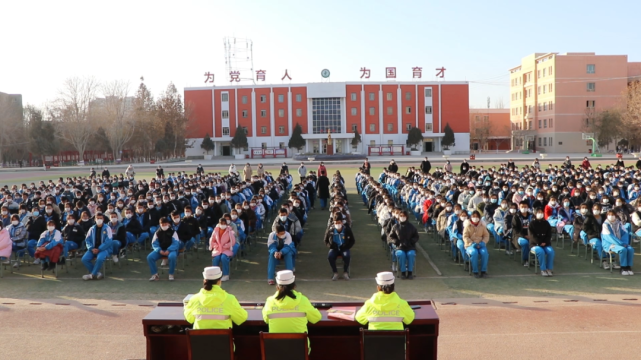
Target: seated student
<point x="615" y="238"/>
<point x="164" y="243"/>
<point x="19" y="235"/>
<point x="5" y="245"/>
<point x="404" y="237"/>
<point x="500" y="227"/>
<point x="339" y="239"/>
<point x="49" y="247"/>
<point x="540" y="231"/>
<point x="99" y="246"/>
<point x="475" y="236"/>
<point x="36" y="225"/>
<point x="280" y="246"/>
<point x="73" y="235"/>
<point x="457" y="225"/>
<point x="213" y="307"/>
<point x="222" y="244"/>
<point x="133" y="227"/>
<point x="591" y="233"/>
<point x="183" y="230"/>
<point x="118" y="237"/>
<point x="566" y="218"/>
<point x="385" y="310"/>
<point x="291" y="225"/>
<point x="520" y="235"/>
<point x="289" y="311"/>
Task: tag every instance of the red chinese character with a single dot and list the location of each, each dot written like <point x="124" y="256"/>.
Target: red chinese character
<point x="365" y="73"/>
<point x="286" y="76"/>
<point x="441" y="72"/>
<point x="209" y="77"/>
<point x="417" y="72"/>
<point x="234" y="76"/>
<point x="260" y="75"/>
<point x="390" y="72"/>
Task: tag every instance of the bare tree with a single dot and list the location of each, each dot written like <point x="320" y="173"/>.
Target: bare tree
<point x="11" y="125"/>
<point x="499" y="104"/>
<point x="116" y="115"/>
<point x="631" y="113"/>
<point x="480" y="129"/>
<point x="149" y="129"/>
<point x="171" y="113"/>
<point x="72" y="112"/>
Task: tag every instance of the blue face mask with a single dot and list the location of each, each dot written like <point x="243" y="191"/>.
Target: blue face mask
<point x="493" y="200"/>
<point x="521" y="192"/>
<point x="36" y="213"/>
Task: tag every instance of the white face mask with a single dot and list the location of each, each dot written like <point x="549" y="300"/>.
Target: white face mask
<point x="282" y="218"/>
<point x="539" y="216"/>
<point x="165" y="228"/>
<point x="512" y="211"/>
<point x="475" y="219"/>
<point x="596" y="212"/>
<point x="234" y="217"/>
<point x="198" y="212"/>
<point x="222" y="226"/>
<point x="51" y="228"/>
<point x="245" y="207"/>
<point x="584" y="211"/>
<point x="611" y="218"/>
<point x="99" y="221"/>
<point x="114" y="220"/>
<point x="338" y="226"/>
<point x="503" y="206"/>
<point x="523" y="210"/>
<point x="187" y="214"/>
<point x="176" y="220"/>
<point x="15" y="222"/>
<point x="402" y="219"/>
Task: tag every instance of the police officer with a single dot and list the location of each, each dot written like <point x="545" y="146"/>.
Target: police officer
<point x="213" y="307"/>
<point x="288" y="311"/>
<point x="385" y="310"/>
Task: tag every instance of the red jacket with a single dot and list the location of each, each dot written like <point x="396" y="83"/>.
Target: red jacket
<point x="426" y="205"/>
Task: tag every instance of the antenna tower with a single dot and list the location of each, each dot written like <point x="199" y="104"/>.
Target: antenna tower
<point x="239" y="58"/>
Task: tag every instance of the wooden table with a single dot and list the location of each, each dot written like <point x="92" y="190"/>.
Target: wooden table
<point x="329" y="338"/>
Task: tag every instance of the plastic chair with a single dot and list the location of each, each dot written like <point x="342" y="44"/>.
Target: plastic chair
<point x="385" y="345"/>
<point x="284" y="346"/>
<point x="201" y="344"/>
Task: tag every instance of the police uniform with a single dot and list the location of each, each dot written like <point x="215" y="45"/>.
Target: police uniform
<point x="215" y="308"/>
<point x="385" y="311"/>
<point x="289" y="315"/>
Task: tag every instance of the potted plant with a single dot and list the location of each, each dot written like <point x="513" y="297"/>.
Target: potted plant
<point x="207" y="145"/>
<point x="239" y="142"/>
<point x="414" y="137"/>
<point x="448" y="140"/>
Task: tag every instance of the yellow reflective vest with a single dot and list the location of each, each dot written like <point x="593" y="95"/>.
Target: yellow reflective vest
<point x="215" y="309"/>
<point x="385" y="312"/>
<point x="289" y="315"/>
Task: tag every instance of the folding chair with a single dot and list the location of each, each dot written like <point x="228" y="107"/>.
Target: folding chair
<point x="201" y="344"/>
<point x="349" y="268"/>
<point x="531" y="255"/>
<point x="284" y="346"/>
<point x="385" y="345"/>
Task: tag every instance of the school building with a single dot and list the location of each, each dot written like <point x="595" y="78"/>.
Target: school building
<point x="381" y="112"/>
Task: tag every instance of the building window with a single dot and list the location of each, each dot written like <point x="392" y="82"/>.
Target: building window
<point x="263" y="129"/>
<point x="551" y="105"/>
<point x="372" y="142"/>
<point x="389" y="96"/>
<point x="550" y="71"/>
<point x="353" y="96"/>
<point x="551" y="122"/>
<point x="263" y="98"/>
<point x="299" y="97"/>
<point x="590" y="103"/>
<point x="538" y="90"/>
<point x="539" y="141"/>
<point x="408" y="96"/>
<point x="428" y="127"/>
<point x="372" y="111"/>
<point x="538" y="74"/>
<point x="354" y="127"/>
<point x="428" y="110"/>
<point x="354" y="111"/>
<point x="281" y="129"/>
<point x="244" y="99"/>
<point x="281" y="145"/>
<point x="372" y="127"/>
<point x="543" y="72"/>
<point x="326" y="115"/>
<point x="244" y="113"/>
<point x="550" y="142"/>
<point x="545" y="141"/>
<point x="545" y="106"/>
<point x="281" y="113"/>
<point x="591" y="69"/>
<point x="245" y="130"/>
<point x="408" y="109"/>
<point x="408" y="126"/>
<point x="299" y="112"/>
<point x="428" y="92"/>
<point x="530" y="125"/>
<point x="390" y="110"/>
<point x="263" y="145"/>
<point x="544" y="88"/>
<point x="372" y="97"/>
<point x="591" y="86"/>
<point x="539" y="123"/>
<point x="539" y="106"/>
<point x="390" y="127"/>
<point x="545" y="123"/>
<point x="263" y="113"/>
<point x="281" y="98"/>
<point x="225" y="114"/>
<point x="226" y="131"/>
<point x="224" y="97"/>
<point x="550" y="88"/>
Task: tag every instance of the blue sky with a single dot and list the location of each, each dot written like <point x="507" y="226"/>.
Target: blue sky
<point x="45" y="42"/>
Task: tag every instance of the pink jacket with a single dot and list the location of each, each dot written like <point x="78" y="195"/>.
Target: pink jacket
<point x="222" y="244"/>
<point x="5" y="243"/>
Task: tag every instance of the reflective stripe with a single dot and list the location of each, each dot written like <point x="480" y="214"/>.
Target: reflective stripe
<point x="385" y="319"/>
<point x="212" y="317"/>
<point x="286" y="315"/>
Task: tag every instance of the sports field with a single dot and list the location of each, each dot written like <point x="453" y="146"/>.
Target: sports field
<point x="504" y="312"/>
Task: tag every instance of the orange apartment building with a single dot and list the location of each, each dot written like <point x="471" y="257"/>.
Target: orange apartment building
<point x="382" y="112"/>
<point x="552" y="95"/>
<point x="490" y="129"/>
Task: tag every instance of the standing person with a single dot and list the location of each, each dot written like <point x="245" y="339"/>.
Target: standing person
<point x="339" y="239"/>
<point x="289" y="311"/>
<point x="321" y="169"/>
<point x="322" y="189"/>
<point x="92" y="173"/>
<point x="393" y="168"/>
<point x="260" y="171"/>
<point x="247" y="172"/>
<point x="447" y="167"/>
<point x="233" y="171"/>
<point x="130" y="171"/>
<point x="366" y="166"/>
<point x="567" y="164"/>
<point x="510" y="165"/>
<point x="465" y="167"/>
<point x="586" y="164"/>
<point x="99" y="246"/>
<point x="385" y="301"/>
<point x="302" y="171"/>
<point x="426" y="166"/>
<point x="200" y="170"/>
<point x="160" y="172"/>
<point x="404" y="237"/>
<point x="105" y="173"/>
<point x="213" y="307"/>
<point x="284" y="169"/>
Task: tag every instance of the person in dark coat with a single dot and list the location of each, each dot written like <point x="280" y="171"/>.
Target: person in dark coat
<point x="465" y="167"/>
<point x="105" y="173"/>
<point x="339" y="239"/>
<point x="426" y="166"/>
<point x="367" y="166"/>
<point x="284" y="169"/>
<point x="404" y="237"/>
<point x="639" y="163"/>
<point x="393" y="168"/>
<point x="322" y="189"/>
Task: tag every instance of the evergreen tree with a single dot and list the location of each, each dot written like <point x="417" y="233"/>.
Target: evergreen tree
<point x="448" y="138"/>
<point x="296" y="141"/>
<point x="240" y="138"/>
<point x="357" y="138"/>
<point x="414" y="137"/>
<point x="207" y="144"/>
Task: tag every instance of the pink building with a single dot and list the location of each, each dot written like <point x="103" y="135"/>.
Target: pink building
<point x="552" y="97"/>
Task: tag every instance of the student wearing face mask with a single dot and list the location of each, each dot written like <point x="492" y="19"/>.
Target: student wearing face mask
<point x="403" y="237"/>
<point x="49" y="247"/>
<point x="221" y="244"/>
<point x="73" y="235"/>
<point x="442" y="220"/>
<point x="498" y="228"/>
<point x="18" y="236"/>
<point x="475" y="238"/>
<point x="540" y="232"/>
<point x="99" y="246"/>
<point x="280" y="247"/>
<point x="35" y="227"/>
<point x="165" y="243"/>
<point x="615" y="238"/>
<point x="566" y="218"/>
<point x="291" y="225"/>
<point x="635" y="221"/>
<point x="591" y="233"/>
<point x="520" y="235"/>
<point x="339" y="239"/>
<point x="185" y="232"/>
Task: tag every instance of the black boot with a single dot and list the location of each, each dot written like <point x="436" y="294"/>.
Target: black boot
<point x="52" y="266"/>
<point x="404" y="275"/>
<point x="44" y="265"/>
<point x="410" y="276"/>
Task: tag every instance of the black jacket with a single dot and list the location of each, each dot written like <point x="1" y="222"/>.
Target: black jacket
<point x="426" y="166"/>
<point x="348" y="239"/>
<point x="404" y="236"/>
<point x="36" y="226"/>
<point x="592" y="227"/>
<point x="540" y="232"/>
<point x="322" y="187"/>
<point x="73" y="233"/>
<point x="393" y="168"/>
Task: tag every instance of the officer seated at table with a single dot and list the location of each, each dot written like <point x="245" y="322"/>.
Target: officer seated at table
<point x="385" y="310"/>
